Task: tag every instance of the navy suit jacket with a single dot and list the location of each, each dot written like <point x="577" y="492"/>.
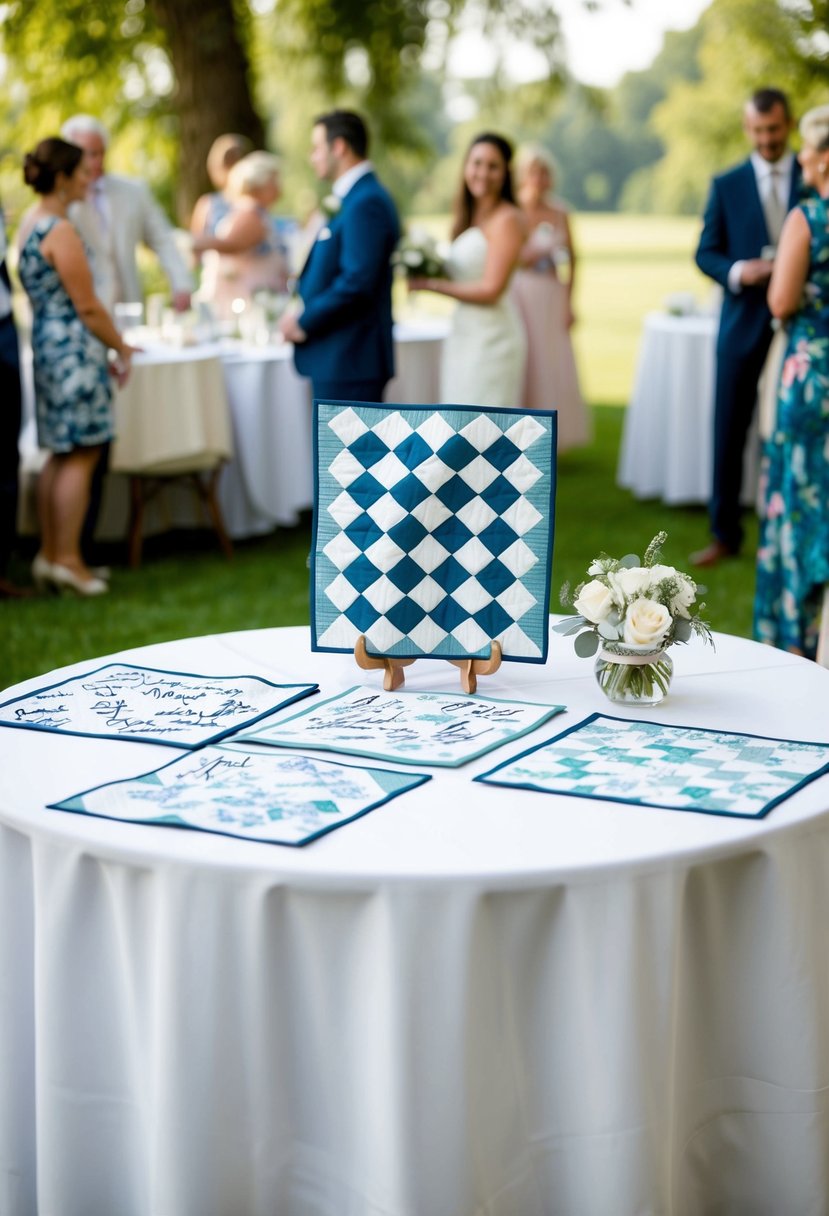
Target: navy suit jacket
<point x="346" y="286"/>
<point x="734" y="229"/>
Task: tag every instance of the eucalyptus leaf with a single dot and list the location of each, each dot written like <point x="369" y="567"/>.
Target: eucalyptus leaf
<point x="682" y="629"/>
<point x="586" y="644"/>
<point x="609" y="630"/>
<point x="629" y="561"/>
<point x="569" y="625"/>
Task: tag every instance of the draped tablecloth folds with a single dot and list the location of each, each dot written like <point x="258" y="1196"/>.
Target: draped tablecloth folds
<point x="469" y="1000"/>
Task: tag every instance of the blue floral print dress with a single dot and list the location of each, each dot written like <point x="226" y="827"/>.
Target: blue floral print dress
<point x="793" y="554"/>
<point x="73" y="389"/>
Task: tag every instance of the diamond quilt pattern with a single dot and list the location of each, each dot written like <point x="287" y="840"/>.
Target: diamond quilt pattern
<point x="433" y="530"/>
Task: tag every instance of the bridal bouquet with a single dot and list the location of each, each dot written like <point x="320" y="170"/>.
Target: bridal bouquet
<point x="634" y="611"/>
<point x="418" y="256"/>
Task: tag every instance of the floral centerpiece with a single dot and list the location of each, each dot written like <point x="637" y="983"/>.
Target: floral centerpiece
<point x="631" y="612"/>
<point x="418" y="256"/>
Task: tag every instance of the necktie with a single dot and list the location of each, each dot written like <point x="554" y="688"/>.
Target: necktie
<point x="775" y="205"/>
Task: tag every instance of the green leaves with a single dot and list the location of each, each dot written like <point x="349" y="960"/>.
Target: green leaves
<point x="586" y="644"/>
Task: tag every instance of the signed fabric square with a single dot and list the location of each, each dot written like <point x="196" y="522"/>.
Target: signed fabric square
<point x="433" y="529"/>
<point x="407" y="727"/>
<point x="680" y="768"/>
<point x="272" y="797"/>
<point x="146" y="705"/>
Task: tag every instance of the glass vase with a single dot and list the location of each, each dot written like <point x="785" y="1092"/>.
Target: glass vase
<point x="628" y="677"/>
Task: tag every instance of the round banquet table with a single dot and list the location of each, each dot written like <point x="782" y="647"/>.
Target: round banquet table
<point x="471" y="1000"/>
<point x="667" y="443"/>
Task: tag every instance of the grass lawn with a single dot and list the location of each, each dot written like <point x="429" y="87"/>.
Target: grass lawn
<point x="186" y="588"/>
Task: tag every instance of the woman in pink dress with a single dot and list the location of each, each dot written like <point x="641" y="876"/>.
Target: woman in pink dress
<point x="542" y="291"/>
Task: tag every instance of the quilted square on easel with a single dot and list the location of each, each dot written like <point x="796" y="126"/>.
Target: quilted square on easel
<point x="433" y="529"/>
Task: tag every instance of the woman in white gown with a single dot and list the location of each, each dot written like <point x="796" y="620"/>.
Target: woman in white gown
<point x="484" y="354"/>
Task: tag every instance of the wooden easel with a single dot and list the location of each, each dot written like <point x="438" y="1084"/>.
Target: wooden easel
<point x="393" y="667"/>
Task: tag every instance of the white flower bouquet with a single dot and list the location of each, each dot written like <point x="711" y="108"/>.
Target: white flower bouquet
<point x="418" y="256"/>
<point x="633" y="611"/>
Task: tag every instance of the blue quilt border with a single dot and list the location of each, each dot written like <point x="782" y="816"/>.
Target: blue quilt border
<point x="486" y="778"/>
<point x="472" y="409"/>
<point x="417" y="779"/>
<point x="552" y="710"/>
<point x="306" y="690"/>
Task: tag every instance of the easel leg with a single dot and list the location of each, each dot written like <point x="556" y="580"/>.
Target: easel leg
<point x="393" y="668"/>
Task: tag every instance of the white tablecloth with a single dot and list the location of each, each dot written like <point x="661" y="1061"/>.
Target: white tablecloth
<point x="469" y="1001"/>
<point x="270" y="480"/>
<point x="668" y="436"/>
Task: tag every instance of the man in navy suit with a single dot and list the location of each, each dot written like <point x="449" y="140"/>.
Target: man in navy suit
<point x="741" y="226"/>
<point x="343" y="336"/>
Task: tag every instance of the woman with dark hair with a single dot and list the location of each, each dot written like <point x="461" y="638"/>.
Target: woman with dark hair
<point x="71" y="331"/>
<point x="484" y="354"/>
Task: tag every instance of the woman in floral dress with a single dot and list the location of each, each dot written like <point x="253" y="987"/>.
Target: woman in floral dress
<point x="71" y="331"/>
<point x="793" y="554"/>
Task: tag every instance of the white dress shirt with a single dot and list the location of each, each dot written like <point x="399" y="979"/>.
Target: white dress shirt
<point x="769" y="175"/>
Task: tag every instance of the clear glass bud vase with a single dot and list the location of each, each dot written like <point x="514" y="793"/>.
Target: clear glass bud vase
<point x="630" y="678"/>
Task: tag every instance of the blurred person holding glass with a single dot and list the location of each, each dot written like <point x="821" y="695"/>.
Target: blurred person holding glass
<point x="542" y="289"/>
<point x="71" y="333"/>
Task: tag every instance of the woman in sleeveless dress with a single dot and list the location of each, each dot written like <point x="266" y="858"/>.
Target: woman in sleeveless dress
<point x="71" y="331"/>
<point x="793" y="552"/>
<point x="544" y="300"/>
<point x="243" y="255"/>
<point x="484" y="354"/>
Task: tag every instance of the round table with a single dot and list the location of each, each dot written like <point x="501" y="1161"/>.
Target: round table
<point x="191" y="407"/>
<point x="470" y="1000"/>
<point x="667" y="442"/>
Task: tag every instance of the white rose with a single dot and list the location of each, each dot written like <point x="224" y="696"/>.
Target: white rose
<point x="686" y="592"/>
<point x="646" y="623"/>
<point x="685" y="597"/>
<point x="594" y="601"/>
<point x="626" y="584"/>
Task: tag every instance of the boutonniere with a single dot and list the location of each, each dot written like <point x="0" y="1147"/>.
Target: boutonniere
<point x="330" y="205"/>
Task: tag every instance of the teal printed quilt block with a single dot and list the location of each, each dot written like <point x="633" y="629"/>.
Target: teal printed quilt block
<point x="257" y="794"/>
<point x="406" y="727"/>
<point x="681" y="768"/>
<point x="148" y="705"/>
<point x="433" y="529"/>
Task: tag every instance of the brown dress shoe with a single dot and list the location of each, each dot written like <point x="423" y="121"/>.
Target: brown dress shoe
<point x="712" y="554"/>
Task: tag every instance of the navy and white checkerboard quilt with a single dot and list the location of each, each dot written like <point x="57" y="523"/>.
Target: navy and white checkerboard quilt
<point x="433" y="529"/>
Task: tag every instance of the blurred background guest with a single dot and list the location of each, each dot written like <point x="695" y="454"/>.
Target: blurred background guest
<point x="10" y="409"/>
<point x="209" y="209"/>
<point x="244" y="254"/>
<point x="485" y="351"/>
<point x="71" y="331"/>
<point x="118" y="215"/>
<point x="542" y="289"/>
<point x="793" y="552"/>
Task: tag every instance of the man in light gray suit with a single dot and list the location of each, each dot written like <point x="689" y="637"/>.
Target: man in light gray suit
<point x="118" y="215"/>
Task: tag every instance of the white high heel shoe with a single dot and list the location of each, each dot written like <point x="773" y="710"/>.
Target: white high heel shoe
<point x="65" y="580"/>
<point x="42" y="573"/>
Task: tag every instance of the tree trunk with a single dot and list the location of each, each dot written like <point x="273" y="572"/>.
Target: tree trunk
<point x="213" y="93"/>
